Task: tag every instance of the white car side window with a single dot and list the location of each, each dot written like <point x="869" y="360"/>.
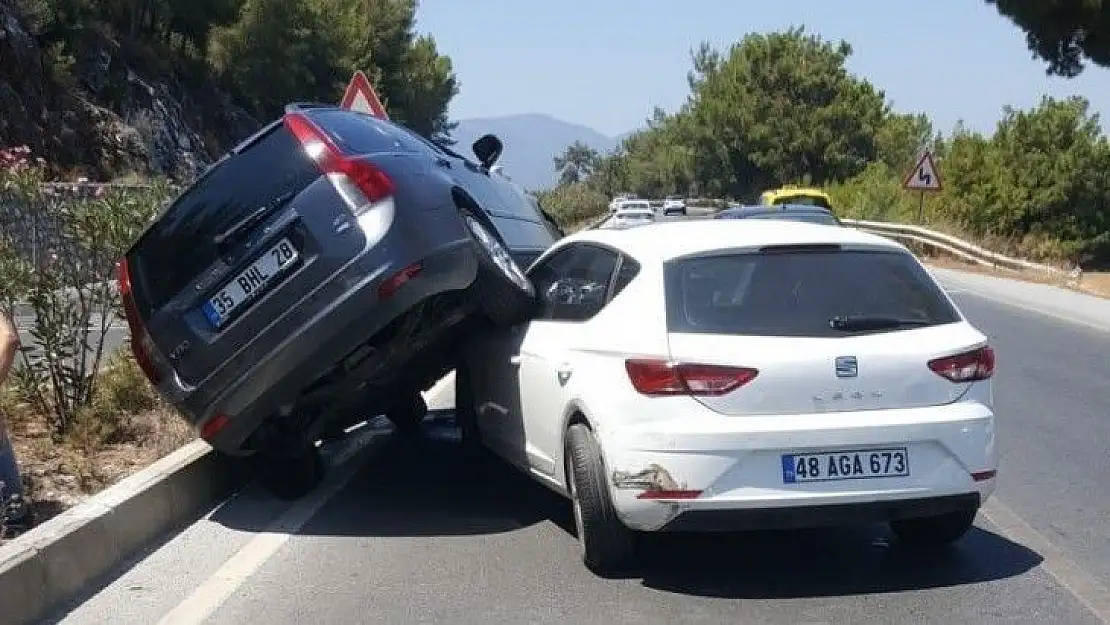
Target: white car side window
<point x="574" y="282"/>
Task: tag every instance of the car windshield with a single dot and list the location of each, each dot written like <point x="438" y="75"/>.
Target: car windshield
<point x="802" y="293"/>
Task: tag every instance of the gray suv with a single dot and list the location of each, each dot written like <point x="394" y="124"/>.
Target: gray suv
<point x="320" y="273"/>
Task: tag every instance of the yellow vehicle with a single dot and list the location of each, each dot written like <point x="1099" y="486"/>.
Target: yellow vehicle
<point x="807" y="196"/>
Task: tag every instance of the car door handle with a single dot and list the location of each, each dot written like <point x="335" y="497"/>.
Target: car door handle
<point x="563" y="372"/>
<point x="514" y="359"/>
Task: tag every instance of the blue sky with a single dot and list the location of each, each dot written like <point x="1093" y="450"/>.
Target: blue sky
<point x="607" y="63"/>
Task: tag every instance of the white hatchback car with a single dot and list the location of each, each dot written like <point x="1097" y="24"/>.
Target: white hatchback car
<point x="632" y="213"/>
<point x="723" y="375"/>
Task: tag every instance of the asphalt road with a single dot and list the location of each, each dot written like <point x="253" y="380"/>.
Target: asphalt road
<point x="405" y="532"/>
<point x="114" y="338"/>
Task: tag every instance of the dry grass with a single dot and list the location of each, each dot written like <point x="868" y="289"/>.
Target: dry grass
<point x="126" y="428"/>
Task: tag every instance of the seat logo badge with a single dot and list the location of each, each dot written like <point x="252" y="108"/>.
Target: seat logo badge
<point x="847" y="367"/>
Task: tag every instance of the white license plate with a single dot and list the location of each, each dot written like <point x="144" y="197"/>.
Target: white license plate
<point x="831" y="466"/>
<point x="251" y="283"/>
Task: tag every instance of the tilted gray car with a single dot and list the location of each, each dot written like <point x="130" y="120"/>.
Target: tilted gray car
<point x="320" y="273"/>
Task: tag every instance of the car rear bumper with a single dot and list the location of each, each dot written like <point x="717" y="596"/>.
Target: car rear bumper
<point x="329" y="322"/>
<point x="731" y="476"/>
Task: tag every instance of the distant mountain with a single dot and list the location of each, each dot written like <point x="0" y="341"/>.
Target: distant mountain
<point x="532" y="141"/>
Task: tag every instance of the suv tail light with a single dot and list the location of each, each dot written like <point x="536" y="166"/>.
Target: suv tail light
<point x="351" y="175"/>
<point x="142" y="345"/>
<point x="660" y="378"/>
<point x="972" y="366"/>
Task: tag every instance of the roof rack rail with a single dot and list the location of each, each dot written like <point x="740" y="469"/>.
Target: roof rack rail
<point x="293" y="107"/>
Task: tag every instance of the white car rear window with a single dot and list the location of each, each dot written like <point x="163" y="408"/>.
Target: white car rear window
<point x="819" y="292"/>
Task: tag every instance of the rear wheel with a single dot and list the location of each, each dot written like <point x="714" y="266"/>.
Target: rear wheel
<point x="607" y="544"/>
<point x="934" y="531"/>
<point x="466" y="416"/>
<point x="504" y="293"/>
<point x="289" y="474"/>
<point x="407" y="413"/>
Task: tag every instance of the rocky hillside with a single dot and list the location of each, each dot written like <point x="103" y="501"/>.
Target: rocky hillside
<point x="161" y="87"/>
<point x="115" y="113"/>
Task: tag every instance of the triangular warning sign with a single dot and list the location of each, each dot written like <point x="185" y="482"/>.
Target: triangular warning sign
<point x="924" y="175"/>
<point x="360" y="96"/>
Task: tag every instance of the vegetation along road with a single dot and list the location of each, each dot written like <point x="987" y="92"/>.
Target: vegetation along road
<point x="404" y="531"/>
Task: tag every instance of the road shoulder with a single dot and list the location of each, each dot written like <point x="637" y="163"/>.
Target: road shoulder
<point x="1052" y="301"/>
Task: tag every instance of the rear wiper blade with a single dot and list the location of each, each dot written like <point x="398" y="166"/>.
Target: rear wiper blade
<point x="252" y="219"/>
<point x="854" y="323"/>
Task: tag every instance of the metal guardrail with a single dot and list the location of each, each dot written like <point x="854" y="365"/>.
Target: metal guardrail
<point x="954" y="246"/>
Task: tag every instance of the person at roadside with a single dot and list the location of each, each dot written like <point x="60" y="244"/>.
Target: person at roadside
<point x="15" y="512"/>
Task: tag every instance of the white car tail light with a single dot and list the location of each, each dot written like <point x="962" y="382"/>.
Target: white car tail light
<point x="972" y="366"/>
<point x="661" y="378"/>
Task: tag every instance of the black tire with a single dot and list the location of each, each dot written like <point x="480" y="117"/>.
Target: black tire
<point x="407" y="413"/>
<point x="289" y="476"/>
<point x="500" y="298"/>
<point x="607" y="544"/>
<point x="934" y="531"/>
<point x="466" y="414"/>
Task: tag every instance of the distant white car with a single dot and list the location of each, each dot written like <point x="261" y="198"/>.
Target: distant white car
<point x="619" y="201"/>
<point x="674" y="205"/>
<point x="633" y="213"/>
<point x="734" y="374"/>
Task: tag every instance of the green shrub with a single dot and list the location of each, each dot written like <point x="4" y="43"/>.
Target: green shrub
<point x="574" y="203"/>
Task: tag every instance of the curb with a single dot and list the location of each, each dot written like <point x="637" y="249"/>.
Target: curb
<point x="49" y="565"/>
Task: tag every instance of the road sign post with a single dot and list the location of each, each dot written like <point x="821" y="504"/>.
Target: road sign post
<point x="923" y="177"/>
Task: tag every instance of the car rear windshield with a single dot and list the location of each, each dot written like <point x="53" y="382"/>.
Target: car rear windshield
<point x="813" y="218"/>
<point x="804" y="200"/>
<point x="803" y="292"/>
<point x="180" y="244"/>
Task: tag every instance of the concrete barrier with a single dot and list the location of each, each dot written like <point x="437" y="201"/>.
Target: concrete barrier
<point x="49" y="565"/>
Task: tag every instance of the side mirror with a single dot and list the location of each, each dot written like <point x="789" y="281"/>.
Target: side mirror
<point x="488" y="149"/>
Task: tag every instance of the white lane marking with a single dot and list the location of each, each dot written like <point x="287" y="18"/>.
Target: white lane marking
<point x="1081" y="584"/>
<point x="218" y="588"/>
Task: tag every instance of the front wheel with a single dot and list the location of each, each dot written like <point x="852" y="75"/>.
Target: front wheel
<point x="934" y="531"/>
<point x="606" y="543"/>
<point x="503" y="292"/>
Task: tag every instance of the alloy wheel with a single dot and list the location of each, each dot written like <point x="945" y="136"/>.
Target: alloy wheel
<point x="499" y="255"/>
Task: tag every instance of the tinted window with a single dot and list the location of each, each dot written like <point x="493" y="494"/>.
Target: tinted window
<point x="813" y="218"/>
<point x="572" y="284"/>
<point x="799" y="293"/>
<point x="804" y="200"/>
<point x="363" y="134"/>
<point x="627" y="271"/>
<point x="271" y="170"/>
